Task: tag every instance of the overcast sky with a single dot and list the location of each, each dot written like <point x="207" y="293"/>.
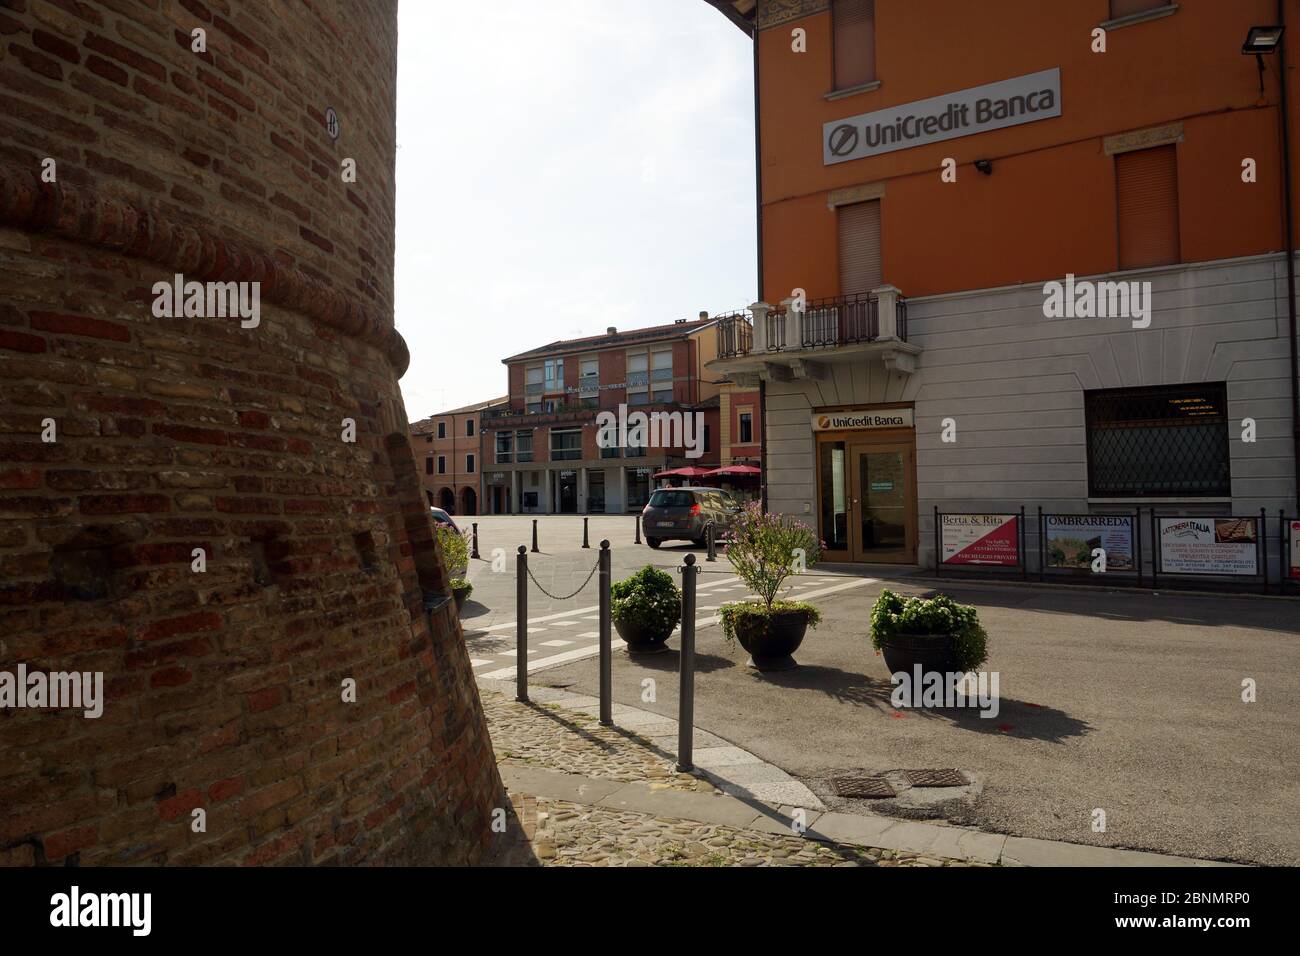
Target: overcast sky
<point x="563" y="167"/>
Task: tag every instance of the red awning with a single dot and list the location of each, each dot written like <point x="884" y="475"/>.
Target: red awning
<point x="735" y="471"/>
<point x="690" y="471"/>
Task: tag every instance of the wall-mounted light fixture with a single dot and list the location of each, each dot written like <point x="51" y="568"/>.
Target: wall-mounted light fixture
<point x="1261" y="41"/>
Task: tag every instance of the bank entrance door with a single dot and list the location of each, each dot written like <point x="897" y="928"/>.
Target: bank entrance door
<point x="867" y="491"/>
<point x="882" y="483"/>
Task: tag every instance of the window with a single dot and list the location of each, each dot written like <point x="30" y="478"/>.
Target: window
<point x="612" y="451"/>
<point x="523" y="446"/>
<point x="442" y="429"/>
<point x="854" y="24"/>
<point x="469" y="464"/>
<point x="469" y="428"/>
<point x="1163" y="441"/>
<point x="554" y="375"/>
<point x="1146" y="193"/>
<point x="661" y="366"/>
<point x="638" y="375"/>
<point x="708" y="439"/>
<point x="746" y="428"/>
<point x="589" y="381"/>
<point x="662" y="395"/>
<point x="566" y="445"/>
<point x="428" y="465"/>
<point x="442" y="464"/>
<point x="505" y="446"/>
<point x="859" y="232"/>
<point x="533" y="382"/>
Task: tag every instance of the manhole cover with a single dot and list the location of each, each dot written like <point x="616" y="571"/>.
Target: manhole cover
<point x="862" y="787"/>
<point x="935" y="778"/>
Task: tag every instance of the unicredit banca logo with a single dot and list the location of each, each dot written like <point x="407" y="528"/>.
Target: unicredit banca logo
<point x="823" y="422"/>
<point x="843" y="139"/>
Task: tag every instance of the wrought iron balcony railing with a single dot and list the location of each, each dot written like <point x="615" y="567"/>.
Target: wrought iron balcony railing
<point x="735" y="335"/>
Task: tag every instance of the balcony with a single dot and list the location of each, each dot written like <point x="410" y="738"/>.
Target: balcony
<point x="785" y="342"/>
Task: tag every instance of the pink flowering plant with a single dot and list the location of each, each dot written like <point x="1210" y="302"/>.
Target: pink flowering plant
<point x="765" y="549"/>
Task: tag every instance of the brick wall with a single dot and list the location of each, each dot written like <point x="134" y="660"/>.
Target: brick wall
<point x="222" y="688"/>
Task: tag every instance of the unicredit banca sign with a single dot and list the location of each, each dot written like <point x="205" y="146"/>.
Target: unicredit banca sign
<point x="1024" y="99"/>
<point x="859" y="421"/>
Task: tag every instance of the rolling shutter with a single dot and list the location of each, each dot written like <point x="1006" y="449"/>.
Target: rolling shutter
<point x="1146" y="189"/>
<point x="854" y="22"/>
<point x="859" y="226"/>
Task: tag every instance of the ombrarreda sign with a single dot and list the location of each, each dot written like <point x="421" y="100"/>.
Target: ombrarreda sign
<point x="980" y="539"/>
<point x="1023" y="99"/>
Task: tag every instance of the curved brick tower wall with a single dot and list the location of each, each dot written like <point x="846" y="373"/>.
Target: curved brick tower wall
<point x="223" y="689"/>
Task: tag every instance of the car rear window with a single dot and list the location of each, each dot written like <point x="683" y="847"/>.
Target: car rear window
<point x="672" y="499"/>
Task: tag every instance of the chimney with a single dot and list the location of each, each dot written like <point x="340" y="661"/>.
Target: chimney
<point x="611" y="331"/>
<point x="703" y="316"/>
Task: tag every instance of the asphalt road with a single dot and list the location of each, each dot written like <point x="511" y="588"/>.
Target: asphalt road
<point x="1126" y="702"/>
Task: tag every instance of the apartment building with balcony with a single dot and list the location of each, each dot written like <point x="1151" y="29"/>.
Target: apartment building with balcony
<point x="543" y="450"/>
<point x="927" y="172"/>
<point x="448" y="448"/>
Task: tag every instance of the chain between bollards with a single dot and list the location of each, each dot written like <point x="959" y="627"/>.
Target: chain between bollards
<point x="686" y="682"/>
<point x="535" y="548"/>
<point x="606" y="641"/>
<point x="584" y="532"/>
<point x="473" y="552"/>
<point x="521" y="625"/>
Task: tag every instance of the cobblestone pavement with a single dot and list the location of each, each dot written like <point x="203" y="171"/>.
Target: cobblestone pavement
<point x="561" y="833"/>
<point x="542" y="735"/>
<point x="570" y="834"/>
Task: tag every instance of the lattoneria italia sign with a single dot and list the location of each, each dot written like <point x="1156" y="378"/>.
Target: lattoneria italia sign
<point x="1024" y="99"/>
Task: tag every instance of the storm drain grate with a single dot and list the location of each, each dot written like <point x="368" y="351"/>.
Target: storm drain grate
<point x="935" y="778"/>
<point x="862" y="787"/>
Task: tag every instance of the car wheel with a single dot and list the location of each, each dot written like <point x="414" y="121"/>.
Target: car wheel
<point x="654" y="542"/>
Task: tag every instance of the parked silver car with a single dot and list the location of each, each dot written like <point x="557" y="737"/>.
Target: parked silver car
<point x="684" y="513"/>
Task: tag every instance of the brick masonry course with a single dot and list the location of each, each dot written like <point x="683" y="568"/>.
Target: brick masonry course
<point x="222" y="688"/>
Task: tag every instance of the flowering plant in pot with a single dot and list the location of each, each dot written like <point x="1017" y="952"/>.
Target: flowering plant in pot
<point x="645" y="608"/>
<point x="765" y="549"/>
<point x="455" y="555"/>
<point x="937" y="633"/>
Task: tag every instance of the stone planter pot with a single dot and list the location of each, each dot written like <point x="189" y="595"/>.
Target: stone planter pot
<point x="771" y="647"/>
<point x="461" y="595"/>
<point x="644" y="640"/>
<point x="934" y="652"/>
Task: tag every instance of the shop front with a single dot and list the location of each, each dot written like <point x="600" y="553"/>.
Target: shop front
<point x="866" y="483"/>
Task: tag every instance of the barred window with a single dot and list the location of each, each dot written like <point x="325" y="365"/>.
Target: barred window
<point x="1164" y="441"/>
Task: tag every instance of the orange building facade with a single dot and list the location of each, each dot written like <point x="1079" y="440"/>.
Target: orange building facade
<point x="936" y="180"/>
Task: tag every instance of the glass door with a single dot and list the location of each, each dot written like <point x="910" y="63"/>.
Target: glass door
<point x="883" y="505"/>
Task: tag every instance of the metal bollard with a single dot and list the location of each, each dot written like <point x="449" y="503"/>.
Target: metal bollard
<point x="606" y="641"/>
<point x="535" y="548"/>
<point x="473" y="553"/>
<point x="638" y="529"/>
<point x="686" y="689"/>
<point x="584" y="532"/>
<point x="709" y="536"/>
<point x="521" y="626"/>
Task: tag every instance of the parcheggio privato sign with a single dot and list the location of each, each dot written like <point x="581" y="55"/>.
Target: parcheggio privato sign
<point x="1024" y="99"/>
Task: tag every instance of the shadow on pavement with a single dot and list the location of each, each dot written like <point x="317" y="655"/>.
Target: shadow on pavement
<point x="1014" y="718"/>
<point x="671" y="661"/>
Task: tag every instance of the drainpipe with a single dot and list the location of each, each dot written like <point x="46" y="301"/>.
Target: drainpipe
<point x="758" y="224"/>
<point x="1290" y="251"/>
